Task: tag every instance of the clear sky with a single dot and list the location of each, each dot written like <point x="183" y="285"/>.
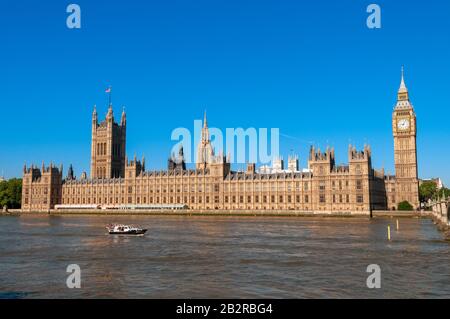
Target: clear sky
<point x="311" y="68"/>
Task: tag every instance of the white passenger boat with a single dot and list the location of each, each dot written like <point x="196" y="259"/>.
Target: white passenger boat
<point x="119" y="229"/>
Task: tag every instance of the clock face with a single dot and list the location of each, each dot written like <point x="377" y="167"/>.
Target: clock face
<point x="403" y="124"/>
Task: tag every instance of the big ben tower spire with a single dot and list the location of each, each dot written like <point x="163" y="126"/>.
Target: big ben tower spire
<point x="403" y="95"/>
<point x="405" y="150"/>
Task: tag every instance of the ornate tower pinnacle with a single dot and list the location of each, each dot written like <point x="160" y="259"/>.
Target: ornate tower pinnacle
<point x="70" y="174"/>
<point x="123" y="120"/>
<point x="205" y="151"/>
<point x="402" y="84"/>
<point x="94" y="115"/>
<point x="110" y="113"/>
<point x="403" y="95"/>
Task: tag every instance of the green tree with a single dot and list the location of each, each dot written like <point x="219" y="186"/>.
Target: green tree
<point x="443" y="191"/>
<point x="11" y="193"/>
<point x="405" y="205"/>
<point x="427" y="191"/>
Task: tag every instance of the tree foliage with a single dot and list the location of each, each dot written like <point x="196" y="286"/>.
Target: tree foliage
<point x="11" y="193"/>
<point x="405" y="205"/>
<point x="444" y="191"/>
<point x="427" y="191"/>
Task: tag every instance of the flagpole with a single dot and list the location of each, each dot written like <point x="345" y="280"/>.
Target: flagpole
<point x="110" y="91"/>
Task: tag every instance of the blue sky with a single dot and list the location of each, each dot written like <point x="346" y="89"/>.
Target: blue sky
<point x="311" y="68"/>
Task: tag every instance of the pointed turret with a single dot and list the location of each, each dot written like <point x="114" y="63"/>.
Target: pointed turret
<point x="205" y="152"/>
<point x="94" y="121"/>
<point x="94" y="115"/>
<point x="70" y="175"/>
<point x="123" y="120"/>
<point x="110" y="113"/>
<point x="311" y="152"/>
<point x="403" y="88"/>
<point x="403" y="95"/>
<point x="205" y="130"/>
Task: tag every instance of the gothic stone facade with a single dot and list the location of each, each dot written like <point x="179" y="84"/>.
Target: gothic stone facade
<point x="326" y="187"/>
<point x="41" y="188"/>
<point x="108" y="146"/>
<point x="335" y="188"/>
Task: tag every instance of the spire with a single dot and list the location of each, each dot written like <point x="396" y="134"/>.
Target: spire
<point x="110" y="113"/>
<point x="403" y="88"/>
<point x="70" y="174"/>
<point x="312" y="152"/>
<point x="205" y="122"/>
<point x="181" y="151"/>
<point x="403" y="95"/>
<point x="123" y="120"/>
<point x="94" y="115"/>
<point x="205" y="130"/>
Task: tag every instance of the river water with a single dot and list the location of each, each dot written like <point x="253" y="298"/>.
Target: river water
<point x="222" y="257"/>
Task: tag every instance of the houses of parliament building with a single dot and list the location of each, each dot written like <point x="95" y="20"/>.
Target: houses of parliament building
<point x="117" y="182"/>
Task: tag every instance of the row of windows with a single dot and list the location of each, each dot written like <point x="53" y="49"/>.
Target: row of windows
<point x="216" y="199"/>
<point x="40" y="191"/>
<point x="130" y="191"/>
<point x="37" y="191"/>
<point x="44" y="201"/>
<point x="165" y="189"/>
<point x="405" y="171"/>
<point x="341" y="198"/>
<point x="177" y="200"/>
<point x="101" y="148"/>
<point x="201" y="181"/>
<point x="101" y="172"/>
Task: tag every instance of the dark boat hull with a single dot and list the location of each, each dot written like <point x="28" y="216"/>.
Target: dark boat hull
<point x="133" y="232"/>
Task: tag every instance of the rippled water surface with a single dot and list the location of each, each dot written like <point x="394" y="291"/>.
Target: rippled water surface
<point x="222" y="257"/>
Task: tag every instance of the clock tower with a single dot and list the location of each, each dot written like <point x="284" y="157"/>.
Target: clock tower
<point x="405" y="151"/>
